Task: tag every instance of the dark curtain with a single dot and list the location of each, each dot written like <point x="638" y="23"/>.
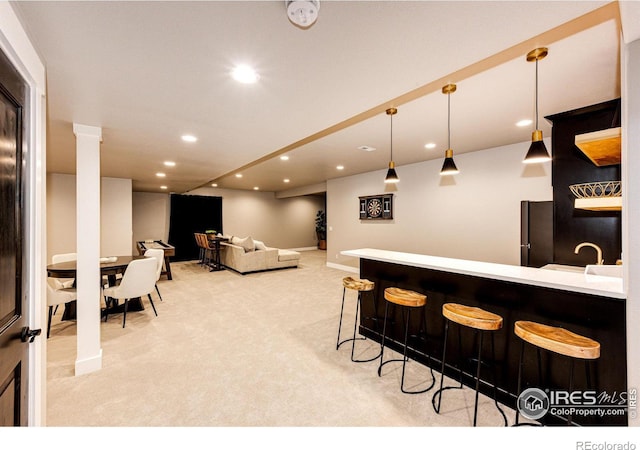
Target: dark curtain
<point x="192" y="214"/>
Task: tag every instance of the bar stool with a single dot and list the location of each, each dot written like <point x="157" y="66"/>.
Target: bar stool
<point x="557" y="340"/>
<point x="361" y="286"/>
<point x="480" y="321"/>
<point x="408" y="301"/>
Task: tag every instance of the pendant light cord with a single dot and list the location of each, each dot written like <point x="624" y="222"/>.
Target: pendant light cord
<point x="537" y="94"/>
<point x="449" y="120"/>
<point x="391" y="137"/>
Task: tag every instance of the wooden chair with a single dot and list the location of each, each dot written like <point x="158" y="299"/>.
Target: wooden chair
<point x="407" y="301"/>
<point x="360" y="286"/>
<point x="557" y="340"/>
<point x="480" y="321"/>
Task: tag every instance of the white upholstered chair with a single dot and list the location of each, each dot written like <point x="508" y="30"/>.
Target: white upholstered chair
<point x="57" y="296"/>
<point x="138" y="280"/>
<point x="62" y="283"/>
<point x="159" y="255"/>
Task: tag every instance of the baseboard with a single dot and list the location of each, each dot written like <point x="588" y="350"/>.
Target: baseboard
<point x="89" y="365"/>
<point x="343" y="267"/>
<point x="303" y="249"/>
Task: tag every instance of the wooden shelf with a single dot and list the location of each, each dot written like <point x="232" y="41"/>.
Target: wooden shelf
<point x="603" y="147"/>
<point x="599" y="203"/>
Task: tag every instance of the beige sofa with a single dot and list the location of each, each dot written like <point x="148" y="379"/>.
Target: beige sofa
<point x="245" y="255"/>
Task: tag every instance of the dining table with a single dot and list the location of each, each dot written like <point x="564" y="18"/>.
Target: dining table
<point x="110" y="267"/>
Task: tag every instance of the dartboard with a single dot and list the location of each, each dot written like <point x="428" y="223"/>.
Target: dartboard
<point x="374" y="207"/>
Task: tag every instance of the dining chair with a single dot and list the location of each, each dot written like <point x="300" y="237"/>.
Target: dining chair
<point x="62" y="283"/>
<point x="57" y="296"/>
<point x="159" y="255"/>
<point x="138" y="280"/>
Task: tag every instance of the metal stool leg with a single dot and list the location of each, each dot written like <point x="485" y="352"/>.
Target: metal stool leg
<point x="344" y="291"/>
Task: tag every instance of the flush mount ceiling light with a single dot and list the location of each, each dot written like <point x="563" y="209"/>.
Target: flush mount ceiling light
<point x="189" y="138"/>
<point x="537" y="151"/>
<point x="430" y="145"/>
<point x="392" y="176"/>
<point x="245" y="74"/>
<point x="367" y="148"/>
<point x="169" y="163"/>
<point x="302" y="13"/>
<point x="449" y="167"/>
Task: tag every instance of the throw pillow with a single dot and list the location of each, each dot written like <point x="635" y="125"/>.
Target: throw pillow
<point x="247" y="244"/>
<point x="259" y="245"/>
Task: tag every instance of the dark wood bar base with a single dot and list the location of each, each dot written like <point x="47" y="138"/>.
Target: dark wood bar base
<point x="598" y="317"/>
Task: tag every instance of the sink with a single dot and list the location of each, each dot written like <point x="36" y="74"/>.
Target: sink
<point x="564" y="268"/>
<point x="608" y="270"/>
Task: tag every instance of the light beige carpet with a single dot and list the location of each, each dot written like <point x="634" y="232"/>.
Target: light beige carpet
<point x="228" y="350"/>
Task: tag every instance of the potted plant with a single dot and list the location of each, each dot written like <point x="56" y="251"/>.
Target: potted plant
<point x="321" y="230"/>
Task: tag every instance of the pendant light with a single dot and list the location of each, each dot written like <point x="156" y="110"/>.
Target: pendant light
<point x="392" y="176"/>
<point x="537" y="151"/>
<point x="449" y="167"/>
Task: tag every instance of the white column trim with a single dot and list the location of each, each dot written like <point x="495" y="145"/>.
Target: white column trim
<point x="88" y="278"/>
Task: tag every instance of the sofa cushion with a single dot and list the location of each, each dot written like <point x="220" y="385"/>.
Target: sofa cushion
<point x="288" y="255"/>
<point x="259" y="245"/>
<point x="246" y="243"/>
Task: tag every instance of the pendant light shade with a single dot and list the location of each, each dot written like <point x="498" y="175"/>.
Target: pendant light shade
<point x="449" y="166"/>
<point x="392" y="176"/>
<point x="537" y="151"/>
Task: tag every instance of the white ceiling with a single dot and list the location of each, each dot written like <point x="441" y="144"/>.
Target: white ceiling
<point x="148" y="72"/>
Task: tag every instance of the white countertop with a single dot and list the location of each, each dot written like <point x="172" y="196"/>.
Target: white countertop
<point x="555" y="279"/>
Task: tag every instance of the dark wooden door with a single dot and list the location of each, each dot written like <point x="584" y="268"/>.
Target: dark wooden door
<point x="13" y="305"/>
<point x="536" y="222"/>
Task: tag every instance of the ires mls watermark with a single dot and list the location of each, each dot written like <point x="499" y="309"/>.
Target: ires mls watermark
<point x="534" y="403"/>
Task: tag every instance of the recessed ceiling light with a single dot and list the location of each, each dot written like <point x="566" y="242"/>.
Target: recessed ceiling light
<point x="161" y="175"/>
<point x="238" y="175"/>
<point x="189" y="138"/>
<point x="339" y="167"/>
<point x="430" y="145"/>
<point x="524" y="123"/>
<point x="163" y="187"/>
<point x="214" y="184"/>
<point x="245" y="74"/>
<point x="366" y="148"/>
<point x="256" y="188"/>
<point x="286" y="180"/>
<point x="169" y="164"/>
<point x="284" y="158"/>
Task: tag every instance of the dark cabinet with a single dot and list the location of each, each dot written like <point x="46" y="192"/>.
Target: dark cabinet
<point x="571" y="166"/>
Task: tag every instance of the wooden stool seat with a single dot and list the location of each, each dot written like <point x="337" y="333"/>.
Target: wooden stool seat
<point x="557" y="340"/>
<point x="480" y="321"/>
<point x="471" y="316"/>
<point x="404" y="297"/>
<point x="357" y="284"/>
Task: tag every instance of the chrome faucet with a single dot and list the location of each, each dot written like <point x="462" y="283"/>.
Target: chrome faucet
<point x="598" y="250"/>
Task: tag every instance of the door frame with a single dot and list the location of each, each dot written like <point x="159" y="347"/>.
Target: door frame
<point x="17" y="47"/>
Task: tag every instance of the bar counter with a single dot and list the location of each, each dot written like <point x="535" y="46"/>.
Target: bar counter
<point x="590" y="305"/>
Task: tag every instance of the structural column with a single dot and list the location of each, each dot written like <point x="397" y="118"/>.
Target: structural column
<point x="88" y="279"/>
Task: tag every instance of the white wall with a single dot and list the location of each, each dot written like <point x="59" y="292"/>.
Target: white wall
<point x="282" y="223"/>
<point x="473" y="215"/>
<point x="115" y="213"/>
<point x="150" y="217"/>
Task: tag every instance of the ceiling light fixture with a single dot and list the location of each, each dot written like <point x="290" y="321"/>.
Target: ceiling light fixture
<point x="189" y="138"/>
<point x="161" y="175"/>
<point x="169" y="164"/>
<point x="449" y="167"/>
<point x="537" y="151"/>
<point x="214" y="184"/>
<point x="286" y="180"/>
<point x="245" y="74"/>
<point x="392" y="176"/>
<point x="430" y="145"/>
<point x="302" y="13"/>
<point x="284" y="158"/>
<point x="163" y="187"/>
<point x="256" y="188"/>
<point x="238" y="175"/>
<point x="340" y="167"/>
<point x="366" y="148"/>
